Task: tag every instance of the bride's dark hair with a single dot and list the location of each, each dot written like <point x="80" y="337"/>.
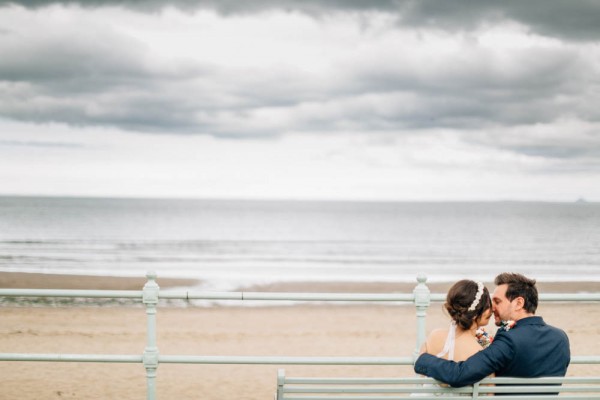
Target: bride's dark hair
<point x="460" y="297"/>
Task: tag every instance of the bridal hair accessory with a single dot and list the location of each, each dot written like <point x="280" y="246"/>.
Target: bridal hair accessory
<point x="477" y="297"/>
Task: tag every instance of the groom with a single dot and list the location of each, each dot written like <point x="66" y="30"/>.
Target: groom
<point x="527" y="348"/>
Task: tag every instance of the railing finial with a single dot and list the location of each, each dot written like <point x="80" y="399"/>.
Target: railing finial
<point x="151" y="275"/>
<point x="151" y="289"/>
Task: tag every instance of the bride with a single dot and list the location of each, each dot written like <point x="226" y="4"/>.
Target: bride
<point x="469" y="306"/>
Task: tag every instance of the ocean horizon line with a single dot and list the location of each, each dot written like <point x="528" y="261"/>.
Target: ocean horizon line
<point x="574" y="200"/>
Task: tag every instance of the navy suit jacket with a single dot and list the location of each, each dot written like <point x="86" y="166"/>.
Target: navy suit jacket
<point x="530" y="349"/>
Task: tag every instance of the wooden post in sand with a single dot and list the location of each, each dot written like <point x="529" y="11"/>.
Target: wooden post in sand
<point x="422" y="301"/>
<point x="150" y="299"/>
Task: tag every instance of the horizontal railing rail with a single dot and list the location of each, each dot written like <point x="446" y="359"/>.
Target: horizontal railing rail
<point x="106" y="294"/>
<point x="249" y="360"/>
<point x="96" y="358"/>
<point x="150" y="295"/>
<point x="266" y="296"/>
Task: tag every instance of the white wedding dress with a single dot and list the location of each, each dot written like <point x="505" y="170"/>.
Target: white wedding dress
<point x="449" y="350"/>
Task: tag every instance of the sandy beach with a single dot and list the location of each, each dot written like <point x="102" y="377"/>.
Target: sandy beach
<point x="299" y="330"/>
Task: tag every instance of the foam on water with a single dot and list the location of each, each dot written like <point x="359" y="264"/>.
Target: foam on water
<point x="228" y="244"/>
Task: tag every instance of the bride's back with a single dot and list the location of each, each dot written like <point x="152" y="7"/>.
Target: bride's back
<point x="465" y="344"/>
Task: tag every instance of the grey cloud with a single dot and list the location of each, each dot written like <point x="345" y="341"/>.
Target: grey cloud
<point x="100" y="78"/>
<point x="95" y="86"/>
<point x="575" y="20"/>
<point x="96" y="78"/>
<point x="562" y="151"/>
<point x="572" y="20"/>
<point x="483" y="94"/>
<point x="43" y="144"/>
<point x="73" y="62"/>
<point x="583" y="150"/>
<point x="226" y="7"/>
<point x="568" y="144"/>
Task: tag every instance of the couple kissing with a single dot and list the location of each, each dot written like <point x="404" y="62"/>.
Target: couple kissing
<point x="524" y="345"/>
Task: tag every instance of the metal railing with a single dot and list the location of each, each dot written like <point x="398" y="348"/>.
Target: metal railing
<point x="421" y="297"/>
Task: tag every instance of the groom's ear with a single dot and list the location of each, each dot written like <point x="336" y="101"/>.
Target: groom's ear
<point x="520" y="303"/>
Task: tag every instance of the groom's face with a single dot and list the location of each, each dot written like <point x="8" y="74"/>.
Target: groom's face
<point x="501" y="306"/>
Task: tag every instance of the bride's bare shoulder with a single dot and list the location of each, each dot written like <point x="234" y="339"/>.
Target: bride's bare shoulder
<point x="439" y="333"/>
<point x="437" y="336"/>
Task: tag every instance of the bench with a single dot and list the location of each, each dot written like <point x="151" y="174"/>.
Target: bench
<point x="315" y="388"/>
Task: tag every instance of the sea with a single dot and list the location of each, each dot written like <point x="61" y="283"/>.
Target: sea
<point x="228" y="244"/>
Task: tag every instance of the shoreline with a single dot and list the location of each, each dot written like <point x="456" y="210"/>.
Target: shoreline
<point x="406" y="287"/>
<point x="26" y="280"/>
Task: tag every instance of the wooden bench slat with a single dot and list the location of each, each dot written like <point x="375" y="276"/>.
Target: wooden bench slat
<point x="346" y="388"/>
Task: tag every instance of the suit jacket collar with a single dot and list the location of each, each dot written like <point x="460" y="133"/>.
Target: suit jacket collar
<point x="531" y="321"/>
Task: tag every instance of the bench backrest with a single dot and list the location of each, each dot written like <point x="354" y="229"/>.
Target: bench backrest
<point x="296" y="388"/>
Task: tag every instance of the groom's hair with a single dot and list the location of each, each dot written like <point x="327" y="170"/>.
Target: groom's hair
<point x="519" y="286"/>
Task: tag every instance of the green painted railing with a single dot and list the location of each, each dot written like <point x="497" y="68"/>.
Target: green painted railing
<point x="150" y="295"/>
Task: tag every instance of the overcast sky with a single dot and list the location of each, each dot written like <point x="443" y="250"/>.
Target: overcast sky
<point x="359" y="100"/>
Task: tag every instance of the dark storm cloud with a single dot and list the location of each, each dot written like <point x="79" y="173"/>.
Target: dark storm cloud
<point x="572" y="19"/>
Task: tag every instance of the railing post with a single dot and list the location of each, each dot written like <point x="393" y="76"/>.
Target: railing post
<point x="150" y="299"/>
<point x="422" y="301"/>
<point x="280" y="383"/>
<point x="476" y="390"/>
